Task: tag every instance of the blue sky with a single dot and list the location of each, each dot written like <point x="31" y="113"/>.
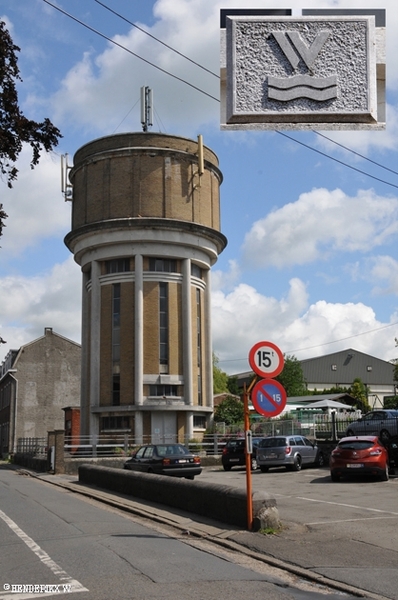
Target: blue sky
<point x="311" y="262"/>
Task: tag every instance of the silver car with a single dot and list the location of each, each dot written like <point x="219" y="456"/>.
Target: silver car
<point x="290" y="451"/>
<point x="382" y="422"/>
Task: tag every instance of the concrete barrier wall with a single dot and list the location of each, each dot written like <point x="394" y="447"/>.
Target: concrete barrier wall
<point x="71" y="465"/>
<point x="219" y="502"/>
<point x="40" y="465"/>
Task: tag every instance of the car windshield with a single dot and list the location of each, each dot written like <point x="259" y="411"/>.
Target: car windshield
<point x="273" y="442"/>
<point x="356" y="445"/>
<point x="236" y="443"/>
<point x="167" y="449"/>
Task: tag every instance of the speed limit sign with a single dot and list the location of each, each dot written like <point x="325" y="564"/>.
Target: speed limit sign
<point x="266" y="359"/>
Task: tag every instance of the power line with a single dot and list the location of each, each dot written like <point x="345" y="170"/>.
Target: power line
<point x="157" y="39"/>
<point x="354" y="152"/>
<point x="337" y="160"/>
<point x="129" y="51"/>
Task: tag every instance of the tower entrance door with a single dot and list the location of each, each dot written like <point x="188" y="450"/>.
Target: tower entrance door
<point x="164" y="427"/>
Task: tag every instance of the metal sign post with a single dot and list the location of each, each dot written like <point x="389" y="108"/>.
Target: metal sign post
<point x="268" y="398"/>
<point x="248" y="460"/>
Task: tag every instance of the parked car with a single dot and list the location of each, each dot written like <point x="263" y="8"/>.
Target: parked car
<point x="381" y="422"/>
<point x="359" y="455"/>
<point x="233" y="454"/>
<point x="165" y="459"/>
<point x="290" y="451"/>
<point x="392" y="449"/>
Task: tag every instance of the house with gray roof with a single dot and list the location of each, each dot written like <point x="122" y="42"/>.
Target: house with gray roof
<point x="341" y="368"/>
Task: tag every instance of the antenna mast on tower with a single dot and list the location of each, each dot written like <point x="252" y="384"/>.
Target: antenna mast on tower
<point x="146" y="108"/>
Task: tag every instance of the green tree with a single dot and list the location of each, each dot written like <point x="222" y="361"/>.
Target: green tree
<point x="391" y="402"/>
<point x="358" y="391"/>
<point x="292" y="377"/>
<point x="333" y="390"/>
<point x="233" y="386"/>
<point x="15" y="128"/>
<point x="220" y="379"/>
<point x="229" y="411"/>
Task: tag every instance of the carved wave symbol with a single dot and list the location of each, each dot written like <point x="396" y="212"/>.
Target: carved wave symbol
<point x="302" y="86"/>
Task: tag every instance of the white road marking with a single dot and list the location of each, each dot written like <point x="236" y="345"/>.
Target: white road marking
<point x="378" y="510"/>
<point x="63" y="577"/>
<point x="349" y="520"/>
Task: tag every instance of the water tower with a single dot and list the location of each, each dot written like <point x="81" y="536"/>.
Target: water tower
<point x="146" y="232"/>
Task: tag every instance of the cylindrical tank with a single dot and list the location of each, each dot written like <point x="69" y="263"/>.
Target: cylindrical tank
<point x="146" y="231"/>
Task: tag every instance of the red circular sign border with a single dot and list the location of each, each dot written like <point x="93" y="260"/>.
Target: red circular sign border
<point x="254" y="367"/>
<point x="254" y="401"/>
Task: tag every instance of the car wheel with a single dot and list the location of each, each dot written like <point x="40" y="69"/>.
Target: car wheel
<point x="227" y="467"/>
<point x="320" y="460"/>
<point x="263" y="469"/>
<point x="254" y="464"/>
<point x="350" y="432"/>
<point x="384" y="436"/>
<point x="335" y="477"/>
<point x="297" y="463"/>
<point x="192" y="477"/>
<point x="385" y="475"/>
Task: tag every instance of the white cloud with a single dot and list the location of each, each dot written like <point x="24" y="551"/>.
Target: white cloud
<point x="29" y="304"/>
<point x="92" y="96"/>
<point x="35" y="206"/>
<point x="244" y="317"/>
<point x="319" y="223"/>
<point x="221" y="280"/>
<point x="385" y="269"/>
<point x="241" y="316"/>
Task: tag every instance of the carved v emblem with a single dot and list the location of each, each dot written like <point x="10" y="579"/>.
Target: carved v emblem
<point x="307" y="53"/>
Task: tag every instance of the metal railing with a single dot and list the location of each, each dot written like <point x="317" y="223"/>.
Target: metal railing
<point x="318" y="426"/>
<point x="32" y="446"/>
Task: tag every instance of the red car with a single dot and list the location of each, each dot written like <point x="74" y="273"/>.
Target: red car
<point x="357" y="455"/>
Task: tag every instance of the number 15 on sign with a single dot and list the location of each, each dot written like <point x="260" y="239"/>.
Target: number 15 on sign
<point x="266" y="359"/>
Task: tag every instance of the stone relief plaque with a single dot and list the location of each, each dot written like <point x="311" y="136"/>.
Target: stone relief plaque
<point x="302" y="71"/>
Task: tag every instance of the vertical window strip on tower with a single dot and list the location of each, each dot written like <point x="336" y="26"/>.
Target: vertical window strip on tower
<point x="199" y="344"/>
<point x="163" y="324"/>
<point x="116" y="291"/>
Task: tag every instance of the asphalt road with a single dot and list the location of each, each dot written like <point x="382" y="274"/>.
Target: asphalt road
<point x="346" y="531"/>
<point x="66" y="543"/>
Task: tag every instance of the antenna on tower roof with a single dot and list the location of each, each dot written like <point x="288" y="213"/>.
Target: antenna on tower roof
<point x="146" y="108"/>
<point x="66" y="187"/>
